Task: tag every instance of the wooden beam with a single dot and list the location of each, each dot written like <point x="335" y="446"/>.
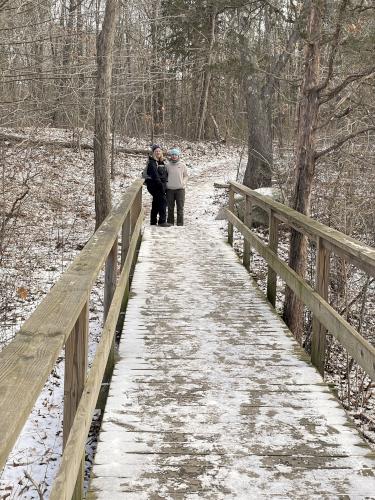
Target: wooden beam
<point x="125" y="238"/>
<point x="134" y="213"/>
<point x="318" y="340"/>
<point x="231" y="208"/>
<point x="110" y="278"/>
<point x="248" y="222"/>
<point x="273" y="243"/>
<point x="76" y="349"/>
<point x="361" y="350"/>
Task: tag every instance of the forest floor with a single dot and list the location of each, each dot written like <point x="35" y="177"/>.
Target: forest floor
<point x="51" y="224"/>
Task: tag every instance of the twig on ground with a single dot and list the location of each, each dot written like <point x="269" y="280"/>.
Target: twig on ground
<point x="35" y="484"/>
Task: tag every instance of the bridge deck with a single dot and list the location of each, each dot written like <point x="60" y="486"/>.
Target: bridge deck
<point x="211" y="396"/>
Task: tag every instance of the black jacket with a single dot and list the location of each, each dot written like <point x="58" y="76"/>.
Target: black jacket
<point x="158" y="175"/>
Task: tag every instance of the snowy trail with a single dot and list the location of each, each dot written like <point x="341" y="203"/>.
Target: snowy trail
<point x="211" y="396"/>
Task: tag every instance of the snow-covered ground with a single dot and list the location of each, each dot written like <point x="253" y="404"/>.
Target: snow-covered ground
<point x="53" y="223"/>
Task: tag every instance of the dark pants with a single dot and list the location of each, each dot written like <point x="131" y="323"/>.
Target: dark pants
<point x="159" y="205"/>
<point x="176" y="196"/>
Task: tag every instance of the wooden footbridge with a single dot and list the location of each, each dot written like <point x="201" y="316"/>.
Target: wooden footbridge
<point x="211" y="396"/>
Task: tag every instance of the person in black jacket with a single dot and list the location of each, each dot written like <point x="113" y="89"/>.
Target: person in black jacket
<point x="156" y="183"/>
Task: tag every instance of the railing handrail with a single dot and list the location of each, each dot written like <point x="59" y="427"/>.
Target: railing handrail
<point x="327" y="240"/>
<point x="27" y="361"/>
<point x="361" y="255"/>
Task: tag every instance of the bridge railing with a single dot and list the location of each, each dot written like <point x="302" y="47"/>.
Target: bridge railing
<point x="62" y="320"/>
<point x="328" y="241"/>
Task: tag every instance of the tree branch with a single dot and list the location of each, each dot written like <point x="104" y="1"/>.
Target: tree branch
<point x="282" y="59"/>
<point x="279" y="12"/>
<point x="334" y="46"/>
<point x="342" y="141"/>
<point x="3" y="3"/>
<point x="358" y="296"/>
<point x="348" y="80"/>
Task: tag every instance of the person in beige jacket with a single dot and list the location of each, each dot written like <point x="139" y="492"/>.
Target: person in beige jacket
<point x="176" y="184"/>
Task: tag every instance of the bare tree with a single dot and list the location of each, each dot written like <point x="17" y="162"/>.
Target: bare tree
<point x="305" y="158"/>
<point x="102" y="113"/>
<point x="259" y="88"/>
<point x="202" y="109"/>
<point x="314" y="93"/>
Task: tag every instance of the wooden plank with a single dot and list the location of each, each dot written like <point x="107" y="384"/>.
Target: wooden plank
<point x="361" y="350"/>
<point x="70" y="464"/>
<point x="318" y="340"/>
<point x="273" y="242"/>
<point x="26" y="363"/>
<point x="353" y="250"/>
<point x="76" y="349"/>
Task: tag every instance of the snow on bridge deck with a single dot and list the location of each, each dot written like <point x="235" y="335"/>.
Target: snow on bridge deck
<point x="211" y="396"/>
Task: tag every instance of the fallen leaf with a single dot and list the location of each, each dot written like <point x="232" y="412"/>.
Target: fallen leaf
<point x="22" y="293"/>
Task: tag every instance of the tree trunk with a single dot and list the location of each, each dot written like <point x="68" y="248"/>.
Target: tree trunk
<point x="259" y="93"/>
<point x="305" y="161"/>
<point x="260" y="155"/>
<point x="206" y="79"/>
<point x="156" y="69"/>
<point x="105" y="44"/>
<point x="81" y="75"/>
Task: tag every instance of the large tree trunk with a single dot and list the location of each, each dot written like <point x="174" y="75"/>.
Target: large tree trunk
<point x="259" y="93"/>
<point x="260" y="155"/>
<point x="305" y="161"/>
<point x="102" y="113"/>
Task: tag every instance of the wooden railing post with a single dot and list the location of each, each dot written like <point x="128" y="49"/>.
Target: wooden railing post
<point x="231" y="208"/>
<point x="76" y="349"/>
<point x="134" y="212"/>
<point x="110" y="280"/>
<point x="139" y="204"/>
<point x="110" y="277"/>
<point x="126" y="235"/>
<point x="273" y="242"/>
<point x="248" y="222"/>
<point x="318" y="339"/>
<point x="125" y="238"/>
